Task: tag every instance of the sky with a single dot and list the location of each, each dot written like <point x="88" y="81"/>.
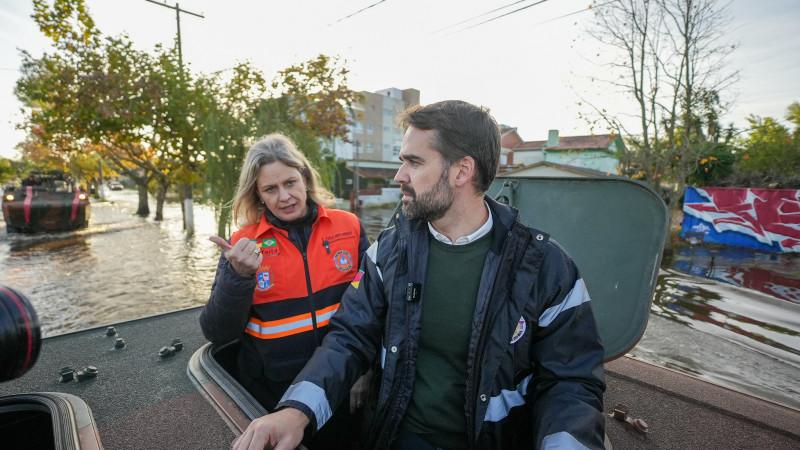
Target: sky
<point x="531" y="71"/>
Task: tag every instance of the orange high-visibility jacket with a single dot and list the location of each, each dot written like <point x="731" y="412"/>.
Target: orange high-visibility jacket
<point x="296" y="293"/>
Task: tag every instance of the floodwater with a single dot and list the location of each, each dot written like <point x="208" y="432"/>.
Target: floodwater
<point x="727" y="316"/>
<point x="119" y="268"/>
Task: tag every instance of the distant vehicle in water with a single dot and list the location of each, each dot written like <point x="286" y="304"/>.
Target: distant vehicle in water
<point x="45" y="202"/>
<point x="115" y="185"/>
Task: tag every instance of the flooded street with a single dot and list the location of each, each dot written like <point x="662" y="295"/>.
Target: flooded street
<point x="121" y="267"/>
<point x="730" y="317"/>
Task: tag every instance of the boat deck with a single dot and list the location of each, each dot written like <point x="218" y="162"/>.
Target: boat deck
<point x="684" y="412"/>
<point x="141" y="401"/>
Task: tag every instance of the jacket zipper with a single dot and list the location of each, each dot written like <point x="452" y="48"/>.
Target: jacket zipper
<point x="472" y="433"/>
<point x="385" y="431"/>
<point x="310" y="297"/>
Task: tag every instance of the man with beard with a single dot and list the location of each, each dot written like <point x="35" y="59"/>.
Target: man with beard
<point x="479" y="328"/>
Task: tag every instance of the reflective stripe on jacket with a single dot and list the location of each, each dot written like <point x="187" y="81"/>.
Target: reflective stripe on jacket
<point x="534" y="375"/>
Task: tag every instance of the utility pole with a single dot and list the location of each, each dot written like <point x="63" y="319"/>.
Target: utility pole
<point x="188" y="212"/>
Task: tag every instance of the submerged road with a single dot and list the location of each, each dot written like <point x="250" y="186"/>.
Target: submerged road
<point x="707" y="317"/>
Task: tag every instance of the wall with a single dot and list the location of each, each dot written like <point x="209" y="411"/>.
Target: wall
<point x="764" y="219"/>
<point x="589" y="159"/>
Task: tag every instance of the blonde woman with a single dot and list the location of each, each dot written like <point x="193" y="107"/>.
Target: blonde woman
<point x="282" y="275"/>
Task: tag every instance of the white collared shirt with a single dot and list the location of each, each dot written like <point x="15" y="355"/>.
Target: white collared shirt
<point x="464" y="240"/>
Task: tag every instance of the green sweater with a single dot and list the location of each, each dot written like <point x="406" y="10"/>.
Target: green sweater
<point x="436" y="411"/>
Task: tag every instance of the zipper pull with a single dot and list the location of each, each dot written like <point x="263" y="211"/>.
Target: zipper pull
<point x="327" y="246"/>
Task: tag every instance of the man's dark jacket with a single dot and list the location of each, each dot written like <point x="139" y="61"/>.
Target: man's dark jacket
<point x="534" y="375"/>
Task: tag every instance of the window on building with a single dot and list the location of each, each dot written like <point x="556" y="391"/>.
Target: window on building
<point x="370" y="130"/>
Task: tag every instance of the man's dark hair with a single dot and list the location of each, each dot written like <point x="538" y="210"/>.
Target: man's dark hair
<point x="462" y="130"/>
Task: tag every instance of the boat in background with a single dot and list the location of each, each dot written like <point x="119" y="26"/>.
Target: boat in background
<point x="48" y="202"/>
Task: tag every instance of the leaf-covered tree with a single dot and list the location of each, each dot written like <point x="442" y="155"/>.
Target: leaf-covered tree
<point x="668" y="58"/>
<point x="771" y="153"/>
<point x="308" y="102"/>
<point x="230" y="121"/>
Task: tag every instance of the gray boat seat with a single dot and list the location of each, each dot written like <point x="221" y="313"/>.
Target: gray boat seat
<point x="614" y="229"/>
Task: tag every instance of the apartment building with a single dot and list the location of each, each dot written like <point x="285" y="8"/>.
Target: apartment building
<point x="375" y="134"/>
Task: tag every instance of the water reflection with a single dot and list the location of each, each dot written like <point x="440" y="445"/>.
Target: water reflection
<point x="759" y="321"/>
<point x="777" y="275"/>
<point x="726" y="334"/>
<point x="121" y="267"/>
<point x="374" y="220"/>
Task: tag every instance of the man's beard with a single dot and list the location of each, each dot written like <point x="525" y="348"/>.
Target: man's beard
<point x="430" y="205"/>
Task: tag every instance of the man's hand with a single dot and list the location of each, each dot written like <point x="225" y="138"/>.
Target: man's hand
<point x="245" y="256"/>
<point x="281" y="430"/>
<point x="360" y="391"/>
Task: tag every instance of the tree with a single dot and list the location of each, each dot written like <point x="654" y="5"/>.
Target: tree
<point x="319" y="104"/>
<point x="669" y="59"/>
<point x="67" y="23"/>
<point x="98" y="95"/>
<point x="771" y="156"/>
<point x="136" y="111"/>
<point x="793" y="116"/>
<point x="176" y="135"/>
<point x="230" y="121"/>
<point x="7" y="172"/>
<point x="319" y="96"/>
<point x="308" y="102"/>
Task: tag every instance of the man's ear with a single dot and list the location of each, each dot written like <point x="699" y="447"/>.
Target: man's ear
<point x="465" y="171"/>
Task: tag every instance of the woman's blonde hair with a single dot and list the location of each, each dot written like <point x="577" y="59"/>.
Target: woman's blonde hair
<point x="247" y="206"/>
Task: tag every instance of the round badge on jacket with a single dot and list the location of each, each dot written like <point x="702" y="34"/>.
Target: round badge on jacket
<point x="343" y="260"/>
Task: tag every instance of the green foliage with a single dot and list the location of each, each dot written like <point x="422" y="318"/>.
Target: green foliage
<point x="771" y="156"/>
<point x="96" y="100"/>
<point x="230" y="118"/>
<point x="66" y="22"/>
<point x="7" y="171"/>
<point x="320" y="100"/>
<point x="714" y="167"/>
<point x="793" y="116"/>
<point x="308" y="103"/>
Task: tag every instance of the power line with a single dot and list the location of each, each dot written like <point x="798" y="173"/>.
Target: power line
<point x="480" y="15"/>
<point x="501" y="16"/>
<point x="588" y="8"/>
<point x="358" y="12"/>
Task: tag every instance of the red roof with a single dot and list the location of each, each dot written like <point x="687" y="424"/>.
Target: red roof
<point x="565" y="143"/>
<point x="509" y="138"/>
